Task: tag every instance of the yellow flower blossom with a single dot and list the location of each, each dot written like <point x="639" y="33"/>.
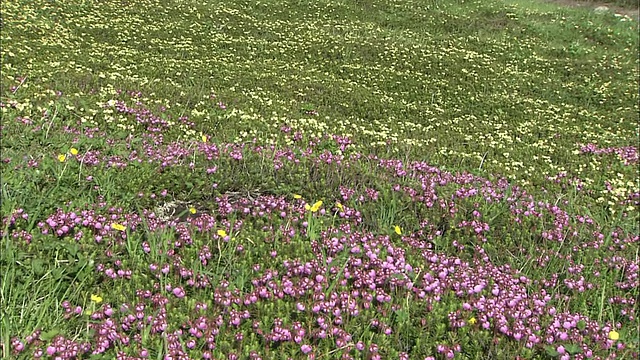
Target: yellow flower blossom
<point x="472" y="321"/>
<point x="397" y="230"/>
<point x="203" y="138"/>
<point x="222" y="233"/>
<point x="316" y="206"/>
<point x="73" y="151"/>
<point x="118" y="227"/>
<point x="340" y="207"/>
<point x="62" y="157"/>
<point x="96" y="299"/>
<point x="614" y="335"/>
<point x="296" y="196"/>
<point x="192" y="210"/>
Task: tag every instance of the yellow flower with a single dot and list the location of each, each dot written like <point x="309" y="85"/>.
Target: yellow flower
<point x="339" y="206"/>
<point x="62" y="157"/>
<point x="204" y="138"/>
<point x="296" y="196"/>
<point x="74" y="151"/>
<point x="222" y="233"/>
<point x="472" y="321"/>
<point x="96" y="299"/>
<point x="614" y="335"/>
<point x="118" y="227"/>
<point x="192" y="210"/>
<point x="316" y="206"/>
<point x="397" y="230"/>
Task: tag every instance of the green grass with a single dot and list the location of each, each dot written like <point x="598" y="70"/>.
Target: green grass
<point x="623" y="3"/>
<point x="500" y="136"/>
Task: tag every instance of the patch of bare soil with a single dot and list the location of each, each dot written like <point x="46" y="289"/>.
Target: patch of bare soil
<point x="633" y="13"/>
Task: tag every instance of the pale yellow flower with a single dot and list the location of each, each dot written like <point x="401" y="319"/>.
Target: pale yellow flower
<point x="472" y="321"/>
<point x="222" y="233"/>
<point x="397" y="230"/>
<point x="73" y="151"/>
<point x="614" y="335"/>
<point x="96" y="299"/>
<point x="296" y="196"/>
<point x="62" y="157"/>
<point x="192" y="210"/>
<point x="340" y="207"/>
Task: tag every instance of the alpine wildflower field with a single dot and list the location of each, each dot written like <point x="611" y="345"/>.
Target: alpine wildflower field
<point x="361" y="179"/>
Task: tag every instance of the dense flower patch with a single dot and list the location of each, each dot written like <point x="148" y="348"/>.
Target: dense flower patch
<point x="286" y="274"/>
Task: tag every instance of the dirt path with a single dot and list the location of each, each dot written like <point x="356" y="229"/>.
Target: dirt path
<point x="631" y="12"/>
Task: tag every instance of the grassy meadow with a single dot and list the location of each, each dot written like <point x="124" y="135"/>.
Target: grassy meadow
<point x="362" y="179"/>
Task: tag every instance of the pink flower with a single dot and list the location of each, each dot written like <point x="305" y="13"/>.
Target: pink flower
<point x="305" y="348"/>
<point x="179" y="292"/>
<point x="51" y="350"/>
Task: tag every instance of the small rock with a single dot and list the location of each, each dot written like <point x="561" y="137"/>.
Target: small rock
<point x="601" y="9"/>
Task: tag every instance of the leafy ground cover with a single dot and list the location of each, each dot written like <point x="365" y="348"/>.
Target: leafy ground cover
<point x="325" y="179"/>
